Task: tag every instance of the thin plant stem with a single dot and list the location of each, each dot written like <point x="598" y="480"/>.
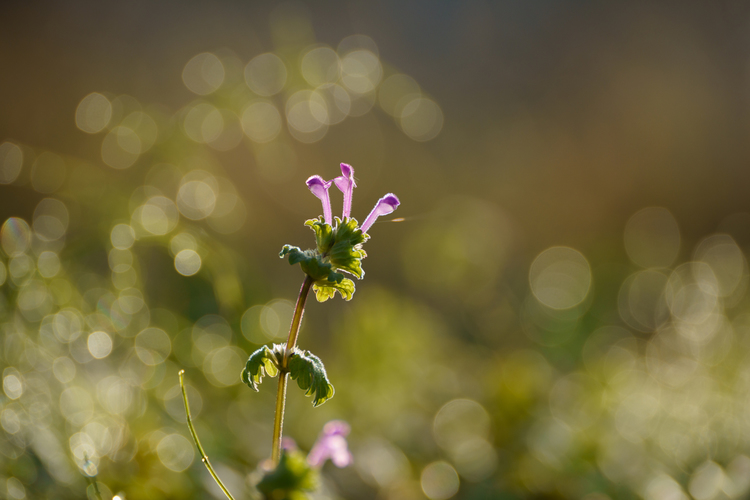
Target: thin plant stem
<point x="278" y="423"/>
<point x="204" y="457"/>
<point x="299" y="310"/>
<point x="96" y="489"/>
<point x="92" y="480"/>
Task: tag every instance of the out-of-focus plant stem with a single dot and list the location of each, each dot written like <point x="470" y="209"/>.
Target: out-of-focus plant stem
<point x="204" y="457"/>
<point x="278" y="423"/>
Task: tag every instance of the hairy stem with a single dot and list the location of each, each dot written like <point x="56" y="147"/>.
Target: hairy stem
<point x="278" y="423"/>
<point x="204" y="457"/>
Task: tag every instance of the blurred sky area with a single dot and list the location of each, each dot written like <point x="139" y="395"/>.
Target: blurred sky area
<point x="561" y="313"/>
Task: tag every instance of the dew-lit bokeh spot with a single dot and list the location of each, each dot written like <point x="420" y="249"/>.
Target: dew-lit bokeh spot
<point x="222" y="365"/>
<point x="203" y="74"/>
<point x="421" y="119"/>
<point x="395" y="92"/>
<point x="144" y="127"/>
<point x="274" y="318"/>
<point x="121" y="147"/>
<point x="727" y="262"/>
<point x="152" y="346"/>
<point x="175" y="452"/>
<point x="266" y="74"/>
<point x="196" y="197"/>
<point x="307" y="116"/>
<point x="642" y="300"/>
<point x="320" y="65"/>
<point x="187" y="262"/>
<point x="11" y="162"/>
<point x="337" y="102"/>
<point x="157" y="216"/>
<point x="51" y="219"/>
<point x="122" y="236"/>
<point x="15" y="488"/>
<point x="204" y="123"/>
<point x="223" y="134"/>
<point x="459" y="420"/>
<point x="439" y="481"/>
<point x="48" y="264"/>
<point x="93" y="113"/>
<point x="381" y="464"/>
<point x="261" y="121"/>
<point x="652" y="237"/>
<point x="99" y="344"/>
<point x="15" y="236"/>
<point x="560" y="277"/>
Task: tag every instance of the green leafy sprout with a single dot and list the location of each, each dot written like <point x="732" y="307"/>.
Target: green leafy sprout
<point x="303" y="366"/>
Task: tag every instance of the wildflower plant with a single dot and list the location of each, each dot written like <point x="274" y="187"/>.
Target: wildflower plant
<point x="338" y="253"/>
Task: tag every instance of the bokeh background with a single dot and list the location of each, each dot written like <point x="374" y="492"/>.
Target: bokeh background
<point x="562" y="313"/>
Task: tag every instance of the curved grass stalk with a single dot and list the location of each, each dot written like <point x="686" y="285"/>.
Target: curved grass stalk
<point x="204" y="457"/>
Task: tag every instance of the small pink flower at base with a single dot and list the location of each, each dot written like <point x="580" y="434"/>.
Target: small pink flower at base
<point x="346" y="185"/>
<point x="288" y="444"/>
<point x="331" y="444"/>
<point x="385" y="205"/>
<point x="319" y="188"/>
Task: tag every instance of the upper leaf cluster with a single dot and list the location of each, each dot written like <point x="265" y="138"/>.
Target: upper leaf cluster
<point x="338" y="249"/>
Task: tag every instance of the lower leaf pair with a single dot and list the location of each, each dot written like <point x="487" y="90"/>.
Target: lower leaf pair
<point x="303" y="366"/>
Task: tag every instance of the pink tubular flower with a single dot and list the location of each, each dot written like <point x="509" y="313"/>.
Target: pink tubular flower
<point x="346" y="185"/>
<point x="385" y="205"/>
<point x="319" y="188"/>
<point x="331" y="444"/>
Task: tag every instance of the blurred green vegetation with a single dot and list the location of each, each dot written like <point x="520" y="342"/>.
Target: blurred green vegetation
<point x="562" y="312"/>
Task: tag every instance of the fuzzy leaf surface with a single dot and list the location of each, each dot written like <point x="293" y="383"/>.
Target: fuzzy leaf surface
<point x="346" y="254"/>
<point x="262" y="362"/>
<point x="308" y="370"/>
<point x="325" y="290"/>
<point x="309" y="261"/>
<point x="324" y="234"/>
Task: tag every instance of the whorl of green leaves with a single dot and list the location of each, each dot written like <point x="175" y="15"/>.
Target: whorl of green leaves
<point x="346" y="254"/>
<point x="262" y="362"/>
<point x="308" y="370"/>
<point x="337" y="249"/>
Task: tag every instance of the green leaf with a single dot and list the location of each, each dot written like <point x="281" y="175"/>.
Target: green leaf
<point x="309" y="261"/>
<point x="346" y="254"/>
<point x="261" y="362"/>
<point x="291" y="479"/>
<point x="338" y="249"/>
<point x="324" y="234"/>
<point x="308" y="370"/>
<point x="325" y="290"/>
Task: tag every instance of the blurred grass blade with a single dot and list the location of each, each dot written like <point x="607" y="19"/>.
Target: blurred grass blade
<point x="204" y="457"/>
